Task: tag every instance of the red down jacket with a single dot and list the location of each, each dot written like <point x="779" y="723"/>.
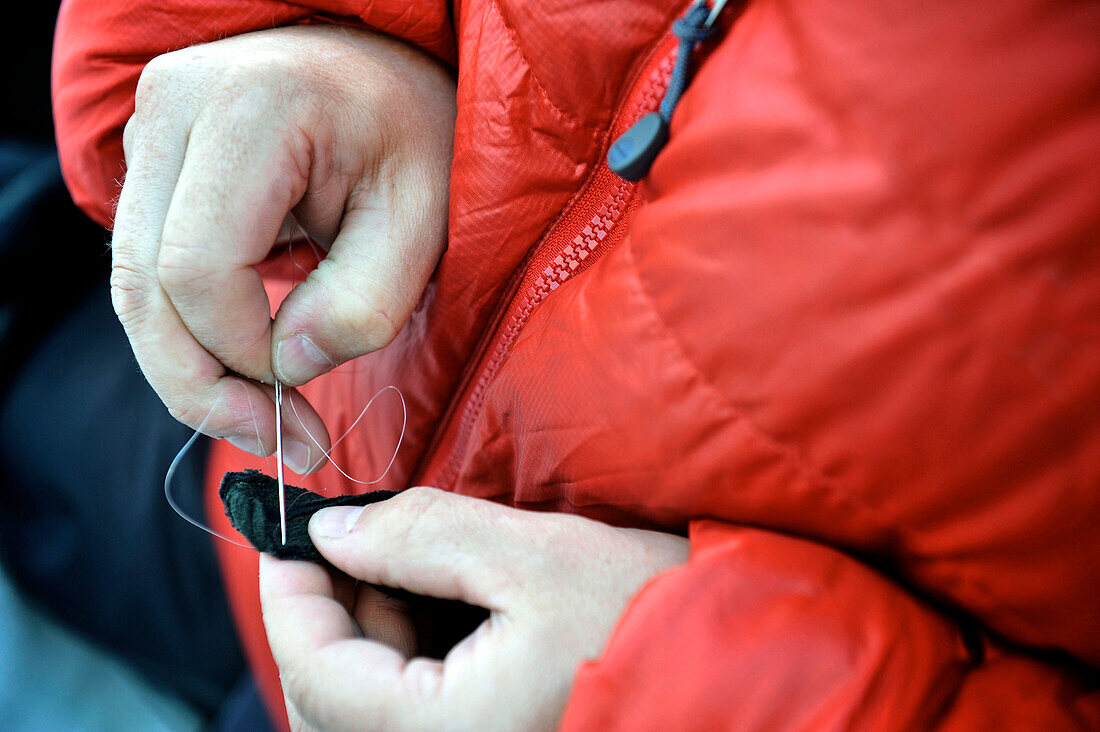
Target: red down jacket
<point x="845" y="336"/>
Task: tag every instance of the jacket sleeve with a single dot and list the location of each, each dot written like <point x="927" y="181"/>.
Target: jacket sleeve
<point x="100" y="49"/>
<point x="760" y="631"/>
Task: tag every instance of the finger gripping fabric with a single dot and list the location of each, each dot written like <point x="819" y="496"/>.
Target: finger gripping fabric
<point x="251" y="501"/>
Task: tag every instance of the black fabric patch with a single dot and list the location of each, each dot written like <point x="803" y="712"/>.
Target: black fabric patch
<point x="251" y="501"/>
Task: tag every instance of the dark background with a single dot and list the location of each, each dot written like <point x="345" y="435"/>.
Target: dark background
<point x="25" y="56"/>
<point x="85" y="531"/>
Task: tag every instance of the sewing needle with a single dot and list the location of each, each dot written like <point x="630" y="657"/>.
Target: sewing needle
<point x="279" y="457"/>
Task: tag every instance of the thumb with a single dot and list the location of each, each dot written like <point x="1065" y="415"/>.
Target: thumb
<point x="428" y="542"/>
<point x="358" y="298"/>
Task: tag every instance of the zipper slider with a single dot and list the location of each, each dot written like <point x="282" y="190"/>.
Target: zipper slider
<point x="632" y="154"/>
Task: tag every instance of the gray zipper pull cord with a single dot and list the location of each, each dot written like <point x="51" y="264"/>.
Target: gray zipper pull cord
<point x="632" y="154"/>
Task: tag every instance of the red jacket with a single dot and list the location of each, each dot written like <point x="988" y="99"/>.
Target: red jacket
<point x="845" y="335"/>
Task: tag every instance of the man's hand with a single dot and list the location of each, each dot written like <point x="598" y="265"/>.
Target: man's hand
<point x="345" y="131"/>
<point x="554" y="584"/>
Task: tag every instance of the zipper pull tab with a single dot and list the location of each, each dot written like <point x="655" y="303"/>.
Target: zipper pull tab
<point x="633" y="153"/>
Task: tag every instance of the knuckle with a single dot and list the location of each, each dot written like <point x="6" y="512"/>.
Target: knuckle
<point x="160" y="81"/>
<point x="131" y="294"/>
<point x="185" y="412"/>
<point x="139" y="131"/>
<point x="419" y="503"/>
<point x="178" y="267"/>
<point x="165" y="97"/>
<point x="398" y="520"/>
<point x="131" y="133"/>
<point x="153" y="79"/>
<point x="364" y="317"/>
<point x="369" y="323"/>
<point x="378" y="327"/>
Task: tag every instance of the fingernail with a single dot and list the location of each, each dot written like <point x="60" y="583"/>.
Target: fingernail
<point x="249" y="444"/>
<point x="298" y="360"/>
<point x="335" y="522"/>
<point x="296" y="456"/>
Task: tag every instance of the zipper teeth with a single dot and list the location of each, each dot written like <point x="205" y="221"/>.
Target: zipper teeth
<point x="555" y="269"/>
<point x="571" y="260"/>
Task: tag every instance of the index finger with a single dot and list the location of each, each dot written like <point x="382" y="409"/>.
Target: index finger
<point x="196" y="387"/>
<point x="186" y="377"/>
<point x="236" y="186"/>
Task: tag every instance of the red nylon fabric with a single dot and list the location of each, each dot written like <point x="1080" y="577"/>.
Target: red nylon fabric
<point x="855" y="305"/>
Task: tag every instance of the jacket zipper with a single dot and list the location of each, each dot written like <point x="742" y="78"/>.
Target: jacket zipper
<point x="581" y="235"/>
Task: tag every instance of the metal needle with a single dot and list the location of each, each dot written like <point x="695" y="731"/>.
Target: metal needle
<point x="279" y="457"/>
